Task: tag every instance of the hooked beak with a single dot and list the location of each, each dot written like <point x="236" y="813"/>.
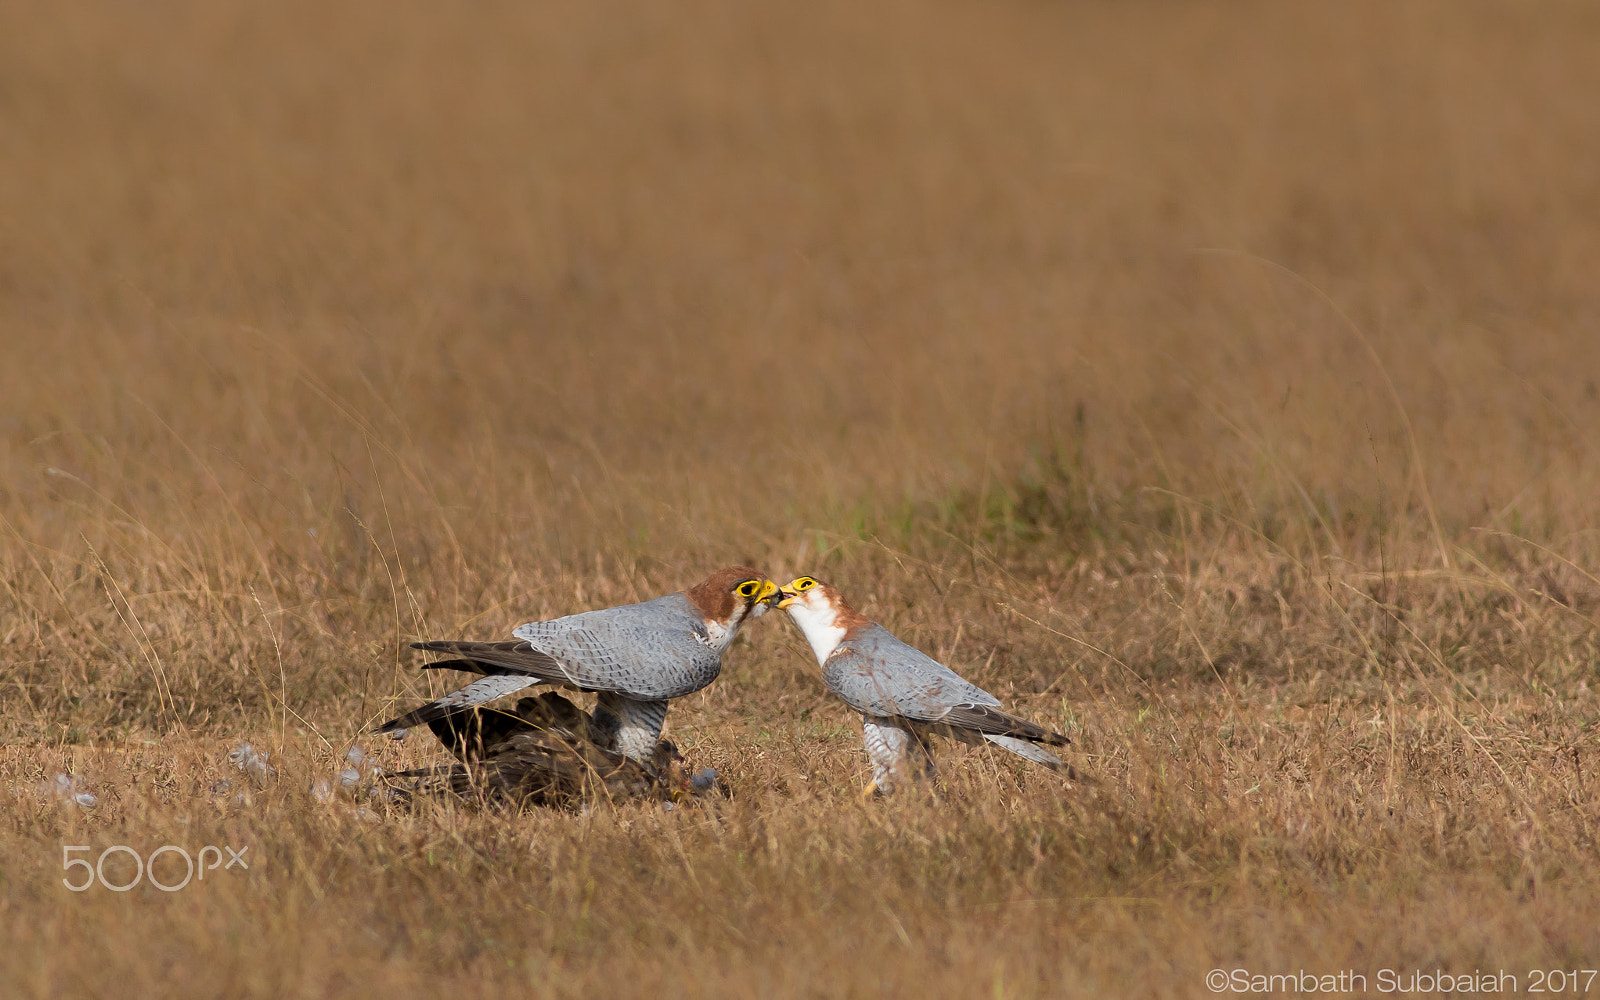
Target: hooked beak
<point x="785" y="597"/>
<point x="767" y="595"/>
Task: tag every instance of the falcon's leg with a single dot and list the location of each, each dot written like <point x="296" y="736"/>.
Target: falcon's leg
<point x="897" y="754"/>
<point x="628" y="726"/>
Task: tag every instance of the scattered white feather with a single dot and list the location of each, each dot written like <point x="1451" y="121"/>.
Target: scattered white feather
<point x="66" y="788"/>
<point x="246" y="759"/>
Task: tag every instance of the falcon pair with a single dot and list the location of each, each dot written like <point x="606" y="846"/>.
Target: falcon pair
<point x="637" y="657"/>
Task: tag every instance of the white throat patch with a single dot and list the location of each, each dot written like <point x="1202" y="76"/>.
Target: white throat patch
<point x="818" y="626"/>
<point x="718" y="635"/>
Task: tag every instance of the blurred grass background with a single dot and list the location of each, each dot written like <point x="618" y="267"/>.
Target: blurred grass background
<point x="1231" y="362"/>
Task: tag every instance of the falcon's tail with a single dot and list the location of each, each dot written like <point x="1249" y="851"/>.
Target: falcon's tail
<point x="1025" y="750"/>
<point x="479" y="691"/>
<point x="516" y="656"/>
<point x="992" y="722"/>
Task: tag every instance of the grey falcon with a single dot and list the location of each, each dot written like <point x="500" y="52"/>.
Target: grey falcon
<point x="904" y="696"/>
<point x="636" y="657"/>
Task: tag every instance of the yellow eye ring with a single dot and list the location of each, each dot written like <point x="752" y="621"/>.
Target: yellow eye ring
<point x="749" y="588"/>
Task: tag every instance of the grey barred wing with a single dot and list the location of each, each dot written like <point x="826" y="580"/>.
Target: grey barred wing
<point x="651" y="651"/>
<point x="881" y="676"/>
<point x="878" y="674"/>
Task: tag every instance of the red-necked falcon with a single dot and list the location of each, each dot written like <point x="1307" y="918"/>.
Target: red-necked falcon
<point x="636" y="657"/>
<point x="904" y="696"/>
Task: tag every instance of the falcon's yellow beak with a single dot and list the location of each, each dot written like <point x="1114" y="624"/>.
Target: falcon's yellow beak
<point x="767" y="594"/>
<point x="785" y="596"/>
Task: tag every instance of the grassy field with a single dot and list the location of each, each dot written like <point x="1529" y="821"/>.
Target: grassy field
<point x="1217" y="381"/>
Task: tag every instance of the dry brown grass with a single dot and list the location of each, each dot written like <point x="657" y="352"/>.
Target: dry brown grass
<point x="1217" y="379"/>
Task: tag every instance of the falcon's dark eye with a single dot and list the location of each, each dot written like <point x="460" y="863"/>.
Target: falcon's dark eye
<point x="805" y="584"/>
<point x="749" y="589"/>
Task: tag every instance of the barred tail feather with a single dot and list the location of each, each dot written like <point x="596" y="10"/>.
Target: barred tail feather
<point x="479" y="691"/>
<point x="991" y="721"/>
<point x="518" y="657"/>
<point x="1025" y="750"/>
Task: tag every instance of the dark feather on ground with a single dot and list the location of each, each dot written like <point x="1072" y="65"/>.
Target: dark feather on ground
<point x="543" y="753"/>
